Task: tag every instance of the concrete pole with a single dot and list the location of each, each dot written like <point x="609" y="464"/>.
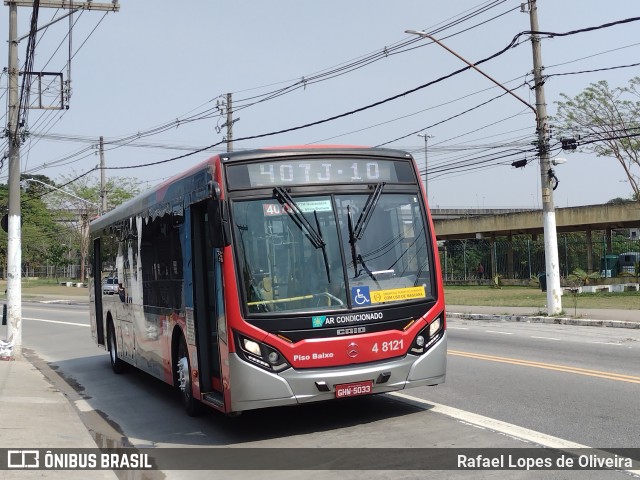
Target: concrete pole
<point x="229" y="124"/>
<point x="14" y="247"/>
<point x="426" y="166"/>
<point x="426" y="162"/>
<point x="552" y="262"/>
<point x="103" y="180"/>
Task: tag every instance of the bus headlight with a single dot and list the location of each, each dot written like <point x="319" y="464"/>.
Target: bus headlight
<point x="427" y="337"/>
<point x="260" y="354"/>
<point x="251" y="346"/>
<point x="434" y="327"/>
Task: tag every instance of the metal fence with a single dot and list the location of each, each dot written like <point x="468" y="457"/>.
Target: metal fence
<point x="48" y="271"/>
<point x="523" y="258"/>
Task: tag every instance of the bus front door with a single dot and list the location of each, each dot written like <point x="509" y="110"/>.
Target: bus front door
<point x="96" y="269"/>
<point x="207" y="311"/>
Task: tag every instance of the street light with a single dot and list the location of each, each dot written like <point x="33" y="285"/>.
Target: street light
<point x="435" y="40"/>
<point x="426" y="139"/>
<point x="84" y="221"/>
<point x="23" y="182"/>
<point x="552" y="263"/>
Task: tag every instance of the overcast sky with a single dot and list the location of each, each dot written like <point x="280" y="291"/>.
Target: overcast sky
<point x="156" y="62"/>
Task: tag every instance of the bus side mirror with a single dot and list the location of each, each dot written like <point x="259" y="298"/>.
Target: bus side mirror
<point x="219" y="227"/>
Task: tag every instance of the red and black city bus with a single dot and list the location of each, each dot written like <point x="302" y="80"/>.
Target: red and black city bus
<point x="275" y="277"/>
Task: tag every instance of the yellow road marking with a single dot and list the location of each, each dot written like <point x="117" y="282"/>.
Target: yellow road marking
<point x="548" y="366"/>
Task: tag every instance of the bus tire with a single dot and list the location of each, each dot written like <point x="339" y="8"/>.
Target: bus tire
<point x="117" y="365"/>
<point x="183" y="380"/>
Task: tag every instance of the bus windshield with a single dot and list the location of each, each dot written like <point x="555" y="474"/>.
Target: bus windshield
<point x="331" y="252"/>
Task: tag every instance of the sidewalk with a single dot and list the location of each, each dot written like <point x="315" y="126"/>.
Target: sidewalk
<point x="34" y="414"/>
<point x="590" y="317"/>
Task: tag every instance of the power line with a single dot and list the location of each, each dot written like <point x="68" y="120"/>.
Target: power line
<point x="513" y="43"/>
<point x="445" y="120"/>
<point x="348" y="68"/>
<point x="212" y="112"/>
<point x="604" y="69"/>
<point x="593" y="55"/>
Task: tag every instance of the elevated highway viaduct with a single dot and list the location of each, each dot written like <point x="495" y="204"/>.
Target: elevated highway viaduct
<point x="453" y="224"/>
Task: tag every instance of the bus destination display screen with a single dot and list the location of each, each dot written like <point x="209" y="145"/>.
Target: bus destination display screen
<point x="318" y="171"/>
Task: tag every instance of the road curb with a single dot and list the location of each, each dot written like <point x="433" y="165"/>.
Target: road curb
<point x="583" y="322"/>
<point x="63" y="302"/>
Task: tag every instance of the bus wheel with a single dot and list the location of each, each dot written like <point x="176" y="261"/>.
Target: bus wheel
<point x="117" y="364"/>
<point x="183" y="377"/>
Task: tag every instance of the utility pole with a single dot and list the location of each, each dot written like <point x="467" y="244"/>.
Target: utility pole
<point x="103" y="180"/>
<point x="426" y="164"/>
<point x="225" y="106"/>
<point x="552" y="262"/>
<point x="14" y="245"/>
<point x="229" y="124"/>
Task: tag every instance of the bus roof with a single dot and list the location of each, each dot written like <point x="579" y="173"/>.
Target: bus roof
<point x="294" y="150"/>
<point x="181" y="184"/>
<point x="185" y="182"/>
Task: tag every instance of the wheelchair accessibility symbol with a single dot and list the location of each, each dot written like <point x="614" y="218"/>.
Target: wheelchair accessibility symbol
<point x="360" y="296"/>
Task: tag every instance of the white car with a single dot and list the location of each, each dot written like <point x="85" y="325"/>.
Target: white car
<point x="110" y="286"/>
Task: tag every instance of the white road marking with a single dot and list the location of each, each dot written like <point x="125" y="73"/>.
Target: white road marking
<point x="608" y="343"/>
<point x="500" y="333"/>
<point x="547" y="338"/>
<point x="493" y="424"/>
<point x="457" y="328"/>
<point x="56" y="321"/>
<point x="510" y="429"/>
<point x="83" y="406"/>
<point x="48" y="309"/>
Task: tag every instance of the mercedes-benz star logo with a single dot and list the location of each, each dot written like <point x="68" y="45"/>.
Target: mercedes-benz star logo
<point x="353" y="350"/>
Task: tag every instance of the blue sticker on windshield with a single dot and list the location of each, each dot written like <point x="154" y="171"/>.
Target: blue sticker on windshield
<point x="360" y="296"/>
<point x="318" y="321"/>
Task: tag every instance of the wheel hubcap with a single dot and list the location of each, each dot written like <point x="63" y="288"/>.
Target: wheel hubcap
<point x="183" y="374"/>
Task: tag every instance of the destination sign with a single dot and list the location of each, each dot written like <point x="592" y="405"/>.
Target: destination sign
<point x="319" y="171"/>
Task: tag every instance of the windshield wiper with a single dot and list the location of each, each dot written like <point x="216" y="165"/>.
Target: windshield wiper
<point x="294" y="212"/>
<point x="355" y="233"/>
<point x="355" y="255"/>
<point x="352" y="242"/>
<point x="369" y="272"/>
<point x="366" y="214"/>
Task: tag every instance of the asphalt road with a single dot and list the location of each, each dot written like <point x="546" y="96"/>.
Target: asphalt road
<point x="526" y="375"/>
<point x="577" y="383"/>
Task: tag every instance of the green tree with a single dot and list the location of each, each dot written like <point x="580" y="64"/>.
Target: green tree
<point x="39" y="228"/>
<point x="57" y="256"/>
<point x="118" y="190"/>
<point x="76" y="201"/>
<point x="607" y="120"/>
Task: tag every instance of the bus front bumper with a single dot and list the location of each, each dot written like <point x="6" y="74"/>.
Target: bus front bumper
<point x="253" y="387"/>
